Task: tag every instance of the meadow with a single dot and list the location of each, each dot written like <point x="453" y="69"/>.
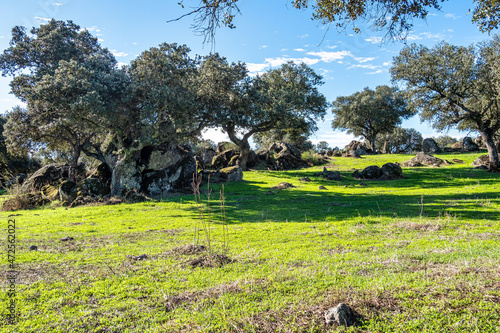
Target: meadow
<point x="420" y="254"/>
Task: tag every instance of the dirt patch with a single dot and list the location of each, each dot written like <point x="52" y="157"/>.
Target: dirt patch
<point x="188" y="249"/>
<point x="214" y="260"/>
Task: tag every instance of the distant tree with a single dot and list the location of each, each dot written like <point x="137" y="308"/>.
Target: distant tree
<point x="322" y="147"/>
<point x="400" y="141"/>
<point x="455" y="86"/>
<point x="370" y="112"/>
<point x="393" y="17"/>
<point x="243" y="106"/>
<point x="444" y="141"/>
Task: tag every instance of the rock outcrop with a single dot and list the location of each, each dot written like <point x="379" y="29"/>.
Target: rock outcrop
<point x="422" y="159"/>
<point x="429" y="146"/>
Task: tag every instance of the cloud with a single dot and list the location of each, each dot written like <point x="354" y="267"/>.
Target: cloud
<point x="374" y="40"/>
<point x="362" y="59"/>
<point x="119" y="54"/>
<point x="331" y="56"/>
<point x="56" y="4"/>
<point x="387" y="63"/>
<point x="93" y="29"/>
<point x="263" y="47"/>
<point x="121" y="64"/>
<point x="452" y="16"/>
<point x="378" y="71"/>
<point x="424" y="35"/>
<point x="299" y="50"/>
<point x="2" y="37"/>
<point x="275" y="62"/>
<point x="367" y="66"/>
<point x="42" y="19"/>
<point x="303" y="36"/>
<point x="256" y="68"/>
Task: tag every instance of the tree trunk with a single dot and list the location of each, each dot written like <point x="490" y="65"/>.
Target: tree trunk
<point x="244" y="152"/>
<point x="372" y="143"/>
<point x="492" y="151"/>
<point x="74" y="163"/>
<point x="384" y="150"/>
<point x="124" y="173"/>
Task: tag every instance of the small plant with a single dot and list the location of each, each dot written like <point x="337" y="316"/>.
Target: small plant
<point x="312" y="157"/>
<point x="204" y="221"/>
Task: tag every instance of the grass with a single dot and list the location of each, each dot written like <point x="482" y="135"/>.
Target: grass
<point x="419" y="254"/>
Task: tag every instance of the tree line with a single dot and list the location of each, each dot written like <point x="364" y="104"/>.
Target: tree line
<point x="79" y="101"/>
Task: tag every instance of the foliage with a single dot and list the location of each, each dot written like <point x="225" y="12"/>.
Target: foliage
<point x="454" y="86"/>
<point x="400" y="141"/>
<point x="445" y="141"/>
<point x="296" y="136"/>
<point x="322" y="147"/>
<point x="370" y="112"/>
<point x="393" y="17"/>
<point x="281" y="98"/>
<point x="312" y="157"/>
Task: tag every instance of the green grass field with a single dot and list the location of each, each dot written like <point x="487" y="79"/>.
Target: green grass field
<point x="421" y="254"/>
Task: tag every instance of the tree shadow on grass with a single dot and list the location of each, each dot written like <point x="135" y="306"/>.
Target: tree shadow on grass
<point x="412" y="197"/>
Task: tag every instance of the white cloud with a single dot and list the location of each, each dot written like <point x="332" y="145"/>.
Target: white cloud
<point x="331" y="56"/>
<point x="362" y="59"/>
<point x="378" y="71"/>
<point x="42" y="19"/>
<point x="452" y="16"/>
<point x="299" y="50"/>
<point x="256" y="68"/>
<point x="303" y="36"/>
<point x="56" y="4"/>
<point x="93" y="29"/>
<point x="367" y="66"/>
<point x="263" y="47"/>
<point x="121" y="64"/>
<point x="275" y="62"/>
<point x="119" y="54"/>
<point x="387" y="63"/>
<point x="2" y="37"/>
<point x="374" y="40"/>
<point x="332" y="47"/>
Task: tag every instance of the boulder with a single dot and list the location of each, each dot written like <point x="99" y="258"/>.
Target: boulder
<point x="92" y="186"/>
<point x="424" y="159"/>
<point x="392" y="171"/>
<point x="429" y="146"/>
<point x="371" y="172"/>
<point x="207" y="156"/>
<point x="356" y="148"/>
<point x="388" y="171"/>
<point x="168" y="178"/>
<point x="232" y="174"/>
<point x="469" y="145"/>
<point x="329" y="175"/>
<point x="50" y="174"/>
<point x="102" y="172"/>
<point x="67" y="191"/>
<point x="482" y="161"/>
<point x="283" y="156"/>
<point x="342" y="314"/>
<point x="222" y="159"/>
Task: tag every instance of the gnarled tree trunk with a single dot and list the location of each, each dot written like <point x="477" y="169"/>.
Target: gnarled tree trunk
<point x="492" y="150"/>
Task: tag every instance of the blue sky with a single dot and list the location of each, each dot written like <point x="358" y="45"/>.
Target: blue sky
<point x="268" y="33"/>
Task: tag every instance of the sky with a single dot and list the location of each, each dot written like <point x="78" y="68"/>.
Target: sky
<point x="268" y="33"/>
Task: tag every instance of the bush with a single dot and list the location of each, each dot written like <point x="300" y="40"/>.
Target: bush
<point x="313" y="158"/>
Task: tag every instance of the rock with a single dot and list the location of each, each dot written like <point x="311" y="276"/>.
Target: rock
<point x="49" y="174"/>
<point x="67" y="191"/>
<point x="208" y="156"/>
<point x="469" y="145"/>
<point x="342" y="314"/>
<point x="283" y="156"/>
<point x="389" y="171"/>
<point x="356" y="148"/>
<point x="172" y="170"/>
<point x="92" y="186"/>
<point x="253" y="159"/>
<point x="362" y="184"/>
<point x="392" y="171"/>
<point x="51" y="192"/>
<point x="424" y="159"/>
<point x="223" y="159"/>
<point x="33" y="248"/>
<point x="456" y="160"/>
<point x="65" y="239"/>
<point x="329" y="175"/>
<point x="429" y="146"/>
<point x="322" y="188"/>
<point x="482" y="161"/>
<point x="371" y="172"/>
<point x="102" y="172"/>
<point x="305" y="179"/>
<point x="457" y="146"/>
<point x="232" y="174"/>
<point x="223" y="146"/>
<point x="282" y="186"/>
<point x="139" y="257"/>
